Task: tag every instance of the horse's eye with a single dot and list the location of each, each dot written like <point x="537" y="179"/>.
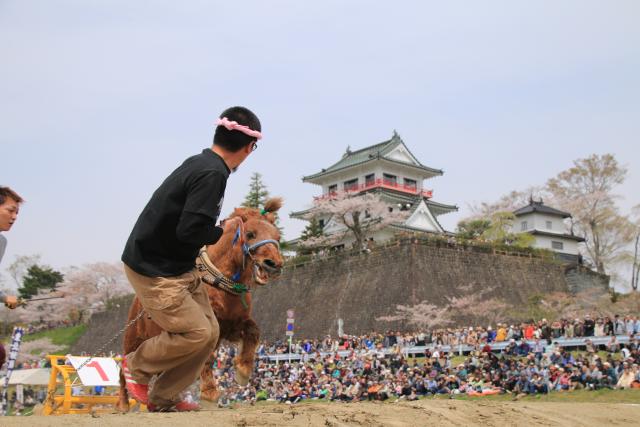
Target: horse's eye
<point x="251" y="235"/>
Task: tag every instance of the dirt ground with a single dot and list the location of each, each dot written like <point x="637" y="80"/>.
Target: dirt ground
<point x="420" y="413"/>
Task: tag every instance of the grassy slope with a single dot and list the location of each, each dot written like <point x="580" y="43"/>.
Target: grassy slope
<point x="62" y="337"/>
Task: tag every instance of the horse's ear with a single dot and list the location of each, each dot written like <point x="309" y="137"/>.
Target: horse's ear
<point x="271" y="206"/>
<point x="240" y="213"/>
<point x="231" y="223"/>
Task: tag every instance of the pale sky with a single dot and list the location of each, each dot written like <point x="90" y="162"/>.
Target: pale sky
<point x="101" y="100"/>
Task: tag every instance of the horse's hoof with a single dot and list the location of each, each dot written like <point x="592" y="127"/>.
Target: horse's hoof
<point x="243" y="372"/>
<point x="241" y="378"/>
<point x="122" y="408"/>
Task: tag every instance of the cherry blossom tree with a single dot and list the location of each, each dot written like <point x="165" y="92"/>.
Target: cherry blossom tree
<point x="359" y="214"/>
<point x="94" y="285"/>
<point x="477" y="307"/>
<point x="586" y="191"/>
<point x="473" y="306"/>
<point x="422" y="315"/>
<point x="507" y="203"/>
<point x="49" y="310"/>
<point x="84" y="291"/>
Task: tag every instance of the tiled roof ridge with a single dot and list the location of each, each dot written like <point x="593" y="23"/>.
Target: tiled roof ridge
<point x="387" y="142"/>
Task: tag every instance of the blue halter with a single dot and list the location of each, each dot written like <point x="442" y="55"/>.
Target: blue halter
<point x="247" y="249"/>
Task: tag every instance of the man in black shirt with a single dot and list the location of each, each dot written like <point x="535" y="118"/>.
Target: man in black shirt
<point x="589" y="326"/>
<point x="159" y="260"/>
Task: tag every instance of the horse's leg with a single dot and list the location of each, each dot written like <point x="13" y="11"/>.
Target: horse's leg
<point x="123" y="396"/>
<point x="208" y="384"/>
<point x="244" y="361"/>
<point x="133" y="337"/>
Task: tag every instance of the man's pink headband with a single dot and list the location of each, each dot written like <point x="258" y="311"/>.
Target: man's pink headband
<point x="231" y="125"/>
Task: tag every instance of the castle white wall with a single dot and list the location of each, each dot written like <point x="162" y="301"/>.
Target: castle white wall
<point x="538" y="221"/>
<point x="545" y="242"/>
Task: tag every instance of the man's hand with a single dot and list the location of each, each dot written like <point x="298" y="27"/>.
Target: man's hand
<point x="11" y="301"/>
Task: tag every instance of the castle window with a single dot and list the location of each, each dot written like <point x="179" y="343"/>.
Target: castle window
<point x="410" y="184"/>
<point x="549" y="225"/>
<point x="389" y="179"/>
<point x="351" y="185"/>
<point x="523" y="226"/>
<point x="557" y="245"/>
<point x="333" y="189"/>
<point x="321" y="223"/>
<point x="369" y="180"/>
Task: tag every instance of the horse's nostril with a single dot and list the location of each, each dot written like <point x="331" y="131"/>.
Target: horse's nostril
<point x="270" y="263"/>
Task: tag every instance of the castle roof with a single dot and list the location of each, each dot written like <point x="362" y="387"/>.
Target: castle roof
<point x="393" y="197"/>
<point x="540" y="207"/>
<point x="556" y="235"/>
<point x="375" y="152"/>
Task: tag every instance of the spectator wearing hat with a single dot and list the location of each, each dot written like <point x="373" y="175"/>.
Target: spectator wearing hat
<point x="626" y="377"/>
<point x="609" y="377"/>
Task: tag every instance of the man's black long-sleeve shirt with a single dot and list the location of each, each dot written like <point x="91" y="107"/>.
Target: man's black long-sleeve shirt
<point x="179" y="219"/>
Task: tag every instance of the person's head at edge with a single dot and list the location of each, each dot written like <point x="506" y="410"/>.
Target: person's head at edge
<point x="232" y="145"/>
<point x="9" y="207"/>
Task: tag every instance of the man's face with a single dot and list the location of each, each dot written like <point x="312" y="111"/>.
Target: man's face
<point x="245" y="153"/>
<point x="8" y="213"/>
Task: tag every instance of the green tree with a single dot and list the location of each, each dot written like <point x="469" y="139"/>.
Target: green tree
<point x="496" y="229"/>
<point x="313" y="229"/>
<point x="39" y="278"/>
<point x="500" y="227"/>
<point x="258" y="193"/>
<point x="20" y="265"/>
<point x="586" y="191"/>
<point x="473" y="229"/>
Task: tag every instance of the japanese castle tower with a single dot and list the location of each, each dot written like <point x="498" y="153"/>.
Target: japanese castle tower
<point x="392" y="171"/>
<point x="546" y="225"/>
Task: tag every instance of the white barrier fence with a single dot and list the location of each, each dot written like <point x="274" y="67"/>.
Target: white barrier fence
<point x="570" y="343"/>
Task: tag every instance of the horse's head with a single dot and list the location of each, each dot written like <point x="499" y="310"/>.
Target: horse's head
<point x="250" y="245"/>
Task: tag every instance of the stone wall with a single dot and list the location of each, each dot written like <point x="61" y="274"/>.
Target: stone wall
<point x="104" y="326"/>
<point x="580" y="279"/>
<point x="361" y="288"/>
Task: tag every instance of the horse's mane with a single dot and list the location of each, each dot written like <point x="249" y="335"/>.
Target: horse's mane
<point x="268" y="212"/>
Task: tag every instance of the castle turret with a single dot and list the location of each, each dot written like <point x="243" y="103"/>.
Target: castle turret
<point x="392" y="171"/>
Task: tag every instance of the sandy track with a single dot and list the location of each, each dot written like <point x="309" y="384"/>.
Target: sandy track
<point x="424" y="412"/>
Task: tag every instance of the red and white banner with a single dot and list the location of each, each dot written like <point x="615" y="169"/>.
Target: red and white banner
<point x="99" y="370"/>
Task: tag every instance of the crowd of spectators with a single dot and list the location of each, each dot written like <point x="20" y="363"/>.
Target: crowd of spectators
<point x="564" y="328"/>
<point x="376" y="366"/>
<point x="371" y="375"/>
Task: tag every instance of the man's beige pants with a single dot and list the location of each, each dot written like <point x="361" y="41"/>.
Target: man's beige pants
<point x="180" y="306"/>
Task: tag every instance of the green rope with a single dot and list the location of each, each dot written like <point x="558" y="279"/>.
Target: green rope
<point x="242" y="290"/>
<point x="243" y="300"/>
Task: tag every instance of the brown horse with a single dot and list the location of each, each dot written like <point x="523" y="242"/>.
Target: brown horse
<point x="247" y="253"/>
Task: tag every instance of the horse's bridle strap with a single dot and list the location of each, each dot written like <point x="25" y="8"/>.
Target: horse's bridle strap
<point x="247" y="249"/>
<point x="215" y="277"/>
